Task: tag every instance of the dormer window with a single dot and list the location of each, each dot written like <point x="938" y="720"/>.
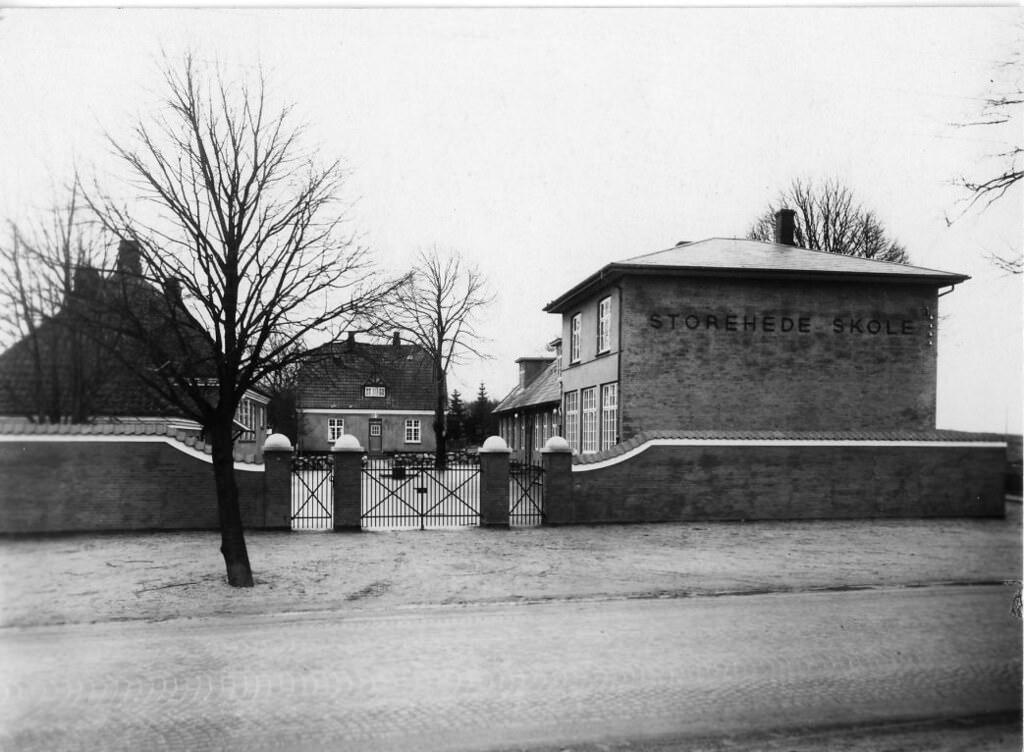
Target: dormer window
<point x="375" y="390"/>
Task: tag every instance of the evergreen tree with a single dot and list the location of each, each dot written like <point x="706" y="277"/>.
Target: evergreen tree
<point x="482" y="422"/>
<point x="456" y="420"/>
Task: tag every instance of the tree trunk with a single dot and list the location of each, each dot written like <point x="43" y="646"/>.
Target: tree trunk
<point x="440" y="435"/>
<point x="232" y="538"/>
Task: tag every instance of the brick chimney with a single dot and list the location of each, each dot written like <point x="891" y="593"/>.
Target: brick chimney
<point x="129" y="258"/>
<point x="785" y="227"/>
<point x="530" y="369"/>
<point x="350" y="343"/>
<point x="86" y="281"/>
<point x="396" y="340"/>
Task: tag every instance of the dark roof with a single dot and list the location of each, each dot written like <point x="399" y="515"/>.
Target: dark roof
<point x="545" y="390"/>
<point x="733" y="257"/>
<point x="70" y="349"/>
<point x="333" y="377"/>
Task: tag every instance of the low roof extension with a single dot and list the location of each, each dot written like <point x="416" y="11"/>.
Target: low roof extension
<point x="753" y="259"/>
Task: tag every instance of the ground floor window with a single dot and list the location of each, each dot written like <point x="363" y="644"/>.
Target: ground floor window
<point x="335" y="429"/>
<point x="412" y="431"/>
<point x="609" y="415"/>
<point x="572" y="416"/>
<point x="249" y="416"/>
<point x="590" y="437"/>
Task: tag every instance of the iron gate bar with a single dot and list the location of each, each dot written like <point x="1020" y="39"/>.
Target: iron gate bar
<point x="319" y="493"/>
<point x="424" y="493"/>
<point x="526" y="502"/>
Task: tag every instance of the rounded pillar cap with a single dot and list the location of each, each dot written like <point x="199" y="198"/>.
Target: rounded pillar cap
<point x="277" y="442"/>
<point x="347" y="443"/>
<point x="557" y="444"/>
<point x="495" y="445"/>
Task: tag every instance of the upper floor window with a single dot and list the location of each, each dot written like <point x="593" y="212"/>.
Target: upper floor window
<point x="604" y="325"/>
<point x="375" y="390"/>
<point x="574" y="338"/>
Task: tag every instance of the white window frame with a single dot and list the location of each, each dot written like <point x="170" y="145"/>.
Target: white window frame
<point x="375" y="391"/>
<point x="572" y="415"/>
<point x="604" y="325"/>
<point x="575" y="330"/>
<point x="413" y="431"/>
<point x="335" y="429"/>
<point x="376" y="429"/>
<point x="590" y="439"/>
<point x="609" y="415"/>
<point x="245" y="415"/>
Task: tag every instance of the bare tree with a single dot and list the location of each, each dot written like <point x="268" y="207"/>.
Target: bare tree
<point x="1001" y="109"/>
<point x="242" y="227"/>
<point x="438" y="308"/>
<point x="50" y="371"/>
<point x="829" y="218"/>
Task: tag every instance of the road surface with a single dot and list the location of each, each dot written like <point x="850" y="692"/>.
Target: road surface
<point x="601" y="672"/>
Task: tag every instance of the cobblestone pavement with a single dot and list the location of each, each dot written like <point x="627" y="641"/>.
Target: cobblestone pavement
<point x="496" y="676"/>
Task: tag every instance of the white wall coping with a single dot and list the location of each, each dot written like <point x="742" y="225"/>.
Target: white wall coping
<point x="54" y="438"/>
<point x="582" y="468"/>
<point x="359" y="411"/>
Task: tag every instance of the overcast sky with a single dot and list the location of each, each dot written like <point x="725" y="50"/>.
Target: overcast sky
<point x="545" y="143"/>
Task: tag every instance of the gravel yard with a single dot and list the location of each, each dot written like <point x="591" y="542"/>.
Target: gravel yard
<point x="157" y="576"/>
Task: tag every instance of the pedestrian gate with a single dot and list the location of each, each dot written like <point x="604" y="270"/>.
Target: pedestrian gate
<point x="410" y="491"/>
<point x="312" y="491"/>
<point x="525" y="494"/>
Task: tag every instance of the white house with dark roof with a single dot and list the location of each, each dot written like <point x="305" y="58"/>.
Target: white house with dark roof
<point x="726" y="334"/>
<point x="382" y="394"/>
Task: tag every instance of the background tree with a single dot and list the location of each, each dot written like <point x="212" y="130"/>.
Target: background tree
<point x="1001" y="111"/>
<point x="829" y="218"/>
<point x="243" y="226"/>
<point x="438" y="307"/>
<point x="281" y="387"/>
<point x="51" y="373"/>
<point x="456" y="421"/>
<point x="481" y="421"/>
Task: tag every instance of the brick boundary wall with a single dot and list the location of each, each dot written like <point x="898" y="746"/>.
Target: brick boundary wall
<point x="90" y="483"/>
<point x="679" y="480"/>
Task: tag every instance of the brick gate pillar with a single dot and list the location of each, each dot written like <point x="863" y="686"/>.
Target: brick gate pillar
<point x="348" y="483"/>
<point x="557" y="458"/>
<point x="277" y="482"/>
<point x="494" y="461"/>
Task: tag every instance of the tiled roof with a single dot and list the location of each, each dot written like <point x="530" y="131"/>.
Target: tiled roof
<point x="333" y="377"/>
<point x="108" y="387"/>
<point x="752" y="258"/>
<point x="940" y="435"/>
<point x="113" y="428"/>
<point x="543" y="390"/>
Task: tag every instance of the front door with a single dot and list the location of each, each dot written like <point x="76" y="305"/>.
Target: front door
<point x="376" y="431"/>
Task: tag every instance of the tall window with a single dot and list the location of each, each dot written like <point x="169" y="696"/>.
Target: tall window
<point x="572" y="419"/>
<point x="590" y="437"/>
<point x="604" y="325"/>
<point x="609" y="415"/>
<point x="335" y="429"/>
<point x="246" y="415"/>
<point x="412" y="431"/>
<point x="574" y="338"/>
